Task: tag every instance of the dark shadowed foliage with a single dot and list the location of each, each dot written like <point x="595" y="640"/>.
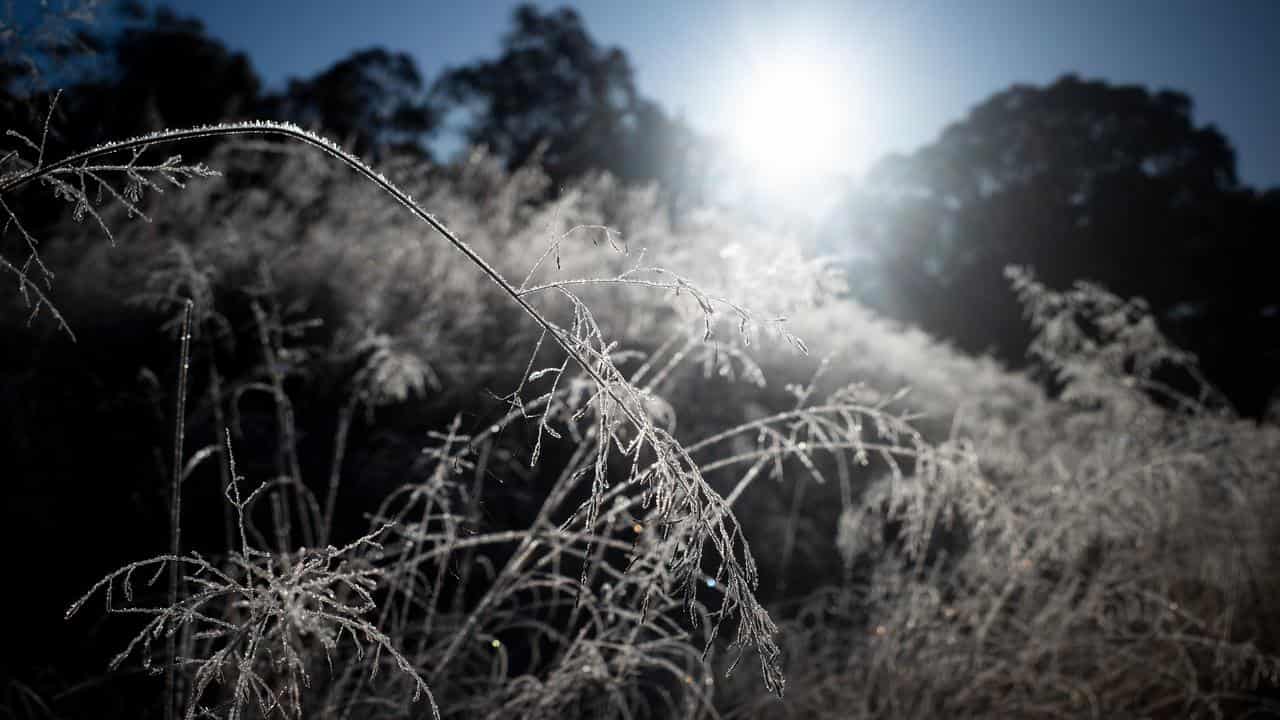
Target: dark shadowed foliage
<point x="555" y="92"/>
<point x="1079" y="179"/>
<point x="372" y="99"/>
<point x="160" y="70"/>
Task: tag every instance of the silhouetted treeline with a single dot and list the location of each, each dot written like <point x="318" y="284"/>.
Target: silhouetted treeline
<point x="553" y="91"/>
<point x="1081" y="180"/>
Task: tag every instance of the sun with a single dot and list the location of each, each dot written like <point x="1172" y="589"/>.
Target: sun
<point x="792" y="120"/>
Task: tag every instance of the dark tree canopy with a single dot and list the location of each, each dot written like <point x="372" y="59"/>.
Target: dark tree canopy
<point x="372" y="99"/>
<point x="554" y="90"/>
<point x="552" y="83"/>
<point x="161" y="70"/>
<point x="153" y="70"/>
<point x="1079" y="180"/>
<point x="1068" y="137"/>
<point x="164" y="71"/>
<point x="41" y="44"/>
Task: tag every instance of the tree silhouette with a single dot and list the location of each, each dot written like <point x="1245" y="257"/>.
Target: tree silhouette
<point x="160" y="71"/>
<point x="372" y="99"/>
<point x="151" y="70"/>
<point x="1080" y="180"/>
<point x="552" y="83"/>
<point x="554" y="90"/>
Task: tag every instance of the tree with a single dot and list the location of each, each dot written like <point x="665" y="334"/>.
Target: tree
<point x="154" y="70"/>
<point x="161" y="71"/>
<point x="554" y="91"/>
<point x="1079" y="180"/>
<point x="372" y="99"/>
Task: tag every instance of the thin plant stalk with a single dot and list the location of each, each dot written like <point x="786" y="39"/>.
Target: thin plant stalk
<point x="175" y="507"/>
<point x="165" y="137"/>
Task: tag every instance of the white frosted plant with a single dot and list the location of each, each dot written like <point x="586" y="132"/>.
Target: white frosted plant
<point x="1101" y="554"/>
<point x="87" y="182"/>
<point x="254" y="623"/>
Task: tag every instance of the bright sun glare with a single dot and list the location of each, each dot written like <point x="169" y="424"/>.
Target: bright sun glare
<point x="792" y="121"/>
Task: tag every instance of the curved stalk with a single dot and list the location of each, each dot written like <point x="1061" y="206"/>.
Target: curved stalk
<point x="298" y="134"/>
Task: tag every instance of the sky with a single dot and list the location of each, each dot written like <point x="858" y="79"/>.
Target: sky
<point x="895" y="73"/>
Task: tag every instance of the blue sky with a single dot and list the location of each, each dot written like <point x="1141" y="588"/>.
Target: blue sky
<point x="902" y="70"/>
